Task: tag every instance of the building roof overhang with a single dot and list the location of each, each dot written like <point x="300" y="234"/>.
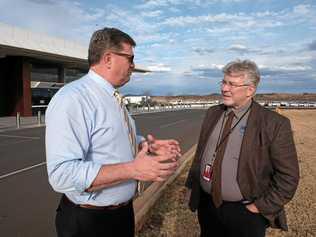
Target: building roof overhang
<point x="20" y="42"/>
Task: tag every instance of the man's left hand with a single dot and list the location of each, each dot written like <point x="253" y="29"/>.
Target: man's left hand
<point x="163" y="147"/>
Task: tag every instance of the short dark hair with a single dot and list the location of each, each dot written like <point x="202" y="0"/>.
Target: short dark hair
<point x="106" y="39"/>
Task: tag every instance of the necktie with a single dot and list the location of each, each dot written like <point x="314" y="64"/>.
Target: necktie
<point x="217" y="167"/>
<point x="131" y="133"/>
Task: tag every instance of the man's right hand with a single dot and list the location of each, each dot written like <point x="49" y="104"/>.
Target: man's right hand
<point x="153" y="167"/>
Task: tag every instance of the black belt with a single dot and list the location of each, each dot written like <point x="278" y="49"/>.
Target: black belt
<point x="243" y="202"/>
<point x="68" y="202"/>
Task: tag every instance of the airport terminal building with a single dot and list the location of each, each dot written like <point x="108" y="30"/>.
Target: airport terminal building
<point x="33" y="67"/>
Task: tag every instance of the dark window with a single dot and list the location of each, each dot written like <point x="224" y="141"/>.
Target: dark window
<point x="44" y="73"/>
<point x="42" y="96"/>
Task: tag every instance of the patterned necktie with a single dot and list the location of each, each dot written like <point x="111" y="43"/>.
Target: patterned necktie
<point x="131" y="134"/>
<point x="217" y="167"/>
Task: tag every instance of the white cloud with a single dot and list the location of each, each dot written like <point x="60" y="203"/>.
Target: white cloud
<point x="238" y="47"/>
<point x="144" y="31"/>
<point x="151" y="13"/>
<point x="216" y="30"/>
<point x="240" y="20"/>
<point x="150" y="4"/>
<point x="57" y="18"/>
<point x="242" y="49"/>
<point x="217" y="66"/>
<point x="197" y="20"/>
<point x="210" y="66"/>
<point x="300" y="14"/>
<point x="301" y="9"/>
<point x="287" y="67"/>
<point x="159" y="68"/>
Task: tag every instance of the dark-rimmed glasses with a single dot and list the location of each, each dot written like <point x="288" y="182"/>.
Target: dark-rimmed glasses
<point x="129" y="57"/>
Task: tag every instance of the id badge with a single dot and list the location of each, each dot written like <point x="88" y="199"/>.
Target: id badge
<point x="207" y="173"/>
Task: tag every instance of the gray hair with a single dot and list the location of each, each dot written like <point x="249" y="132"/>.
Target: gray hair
<point x="106" y="39"/>
<point x="246" y="67"/>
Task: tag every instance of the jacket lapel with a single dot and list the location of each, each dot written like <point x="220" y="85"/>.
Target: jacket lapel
<point x="247" y="148"/>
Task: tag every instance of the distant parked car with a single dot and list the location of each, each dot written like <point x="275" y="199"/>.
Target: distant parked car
<point x="41" y="97"/>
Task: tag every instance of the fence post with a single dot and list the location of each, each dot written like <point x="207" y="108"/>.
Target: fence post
<point x="39" y="117"/>
<point x="18" y="119"/>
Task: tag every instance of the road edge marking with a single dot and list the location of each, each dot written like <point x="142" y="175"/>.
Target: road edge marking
<point x="21" y="170"/>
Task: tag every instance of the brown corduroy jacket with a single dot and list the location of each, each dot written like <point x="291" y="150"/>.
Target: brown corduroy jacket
<point x="268" y="171"/>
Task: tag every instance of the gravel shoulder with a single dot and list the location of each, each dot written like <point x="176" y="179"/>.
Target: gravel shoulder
<point x="171" y="217"/>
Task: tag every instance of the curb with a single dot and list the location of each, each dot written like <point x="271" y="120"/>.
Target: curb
<point x="8" y="129"/>
<point x="147" y="200"/>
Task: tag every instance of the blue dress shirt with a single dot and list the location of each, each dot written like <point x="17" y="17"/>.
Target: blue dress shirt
<point x="85" y="129"/>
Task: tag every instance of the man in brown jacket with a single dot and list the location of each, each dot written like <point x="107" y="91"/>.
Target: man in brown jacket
<point x="245" y="168"/>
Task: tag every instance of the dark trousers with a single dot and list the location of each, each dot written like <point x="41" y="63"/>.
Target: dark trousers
<point x="75" y="221"/>
<point x="231" y="219"/>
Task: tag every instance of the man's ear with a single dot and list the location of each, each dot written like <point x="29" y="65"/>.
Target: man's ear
<point x="107" y="59"/>
<point x="251" y="90"/>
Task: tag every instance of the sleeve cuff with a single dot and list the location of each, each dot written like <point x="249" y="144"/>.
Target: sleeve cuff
<point x="140" y="139"/>
<point x="87" y="177"/>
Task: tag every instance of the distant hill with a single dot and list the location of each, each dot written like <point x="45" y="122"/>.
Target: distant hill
<point x="304" y="97"/>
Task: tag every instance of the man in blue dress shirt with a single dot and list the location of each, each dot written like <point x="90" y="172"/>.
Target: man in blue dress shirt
<point x="88" y="147"/>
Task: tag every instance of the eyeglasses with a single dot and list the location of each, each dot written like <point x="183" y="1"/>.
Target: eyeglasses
<point x="231" y="84"/>
<point x="129" y="57"/>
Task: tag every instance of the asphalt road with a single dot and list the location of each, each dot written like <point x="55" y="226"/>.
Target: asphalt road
<point x="27" y="202"/>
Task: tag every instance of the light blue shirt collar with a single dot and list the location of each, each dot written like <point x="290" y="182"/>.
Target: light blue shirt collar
<point x="107" y="86"/>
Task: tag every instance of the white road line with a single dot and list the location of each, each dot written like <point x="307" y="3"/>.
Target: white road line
<point x="170" y="124"/>
<point x="23" y="137"/>
<point x="21" y="170"/>
<point x="151" y="117"/>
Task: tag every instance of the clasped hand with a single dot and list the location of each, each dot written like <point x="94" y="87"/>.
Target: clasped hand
<point x="157" y="159"/>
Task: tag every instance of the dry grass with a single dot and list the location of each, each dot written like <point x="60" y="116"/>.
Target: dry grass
<point x="171" y="217"/>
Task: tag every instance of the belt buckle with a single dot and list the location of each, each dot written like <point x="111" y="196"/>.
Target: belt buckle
<point x="246" y="202"/>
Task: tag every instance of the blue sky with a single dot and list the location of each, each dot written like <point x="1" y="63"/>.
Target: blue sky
<point x="187" y="42"/>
